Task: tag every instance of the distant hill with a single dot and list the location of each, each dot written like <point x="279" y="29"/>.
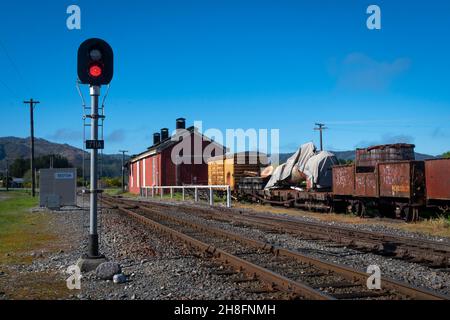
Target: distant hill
<point x="15" y="148"/>
<point x="350" y="155"/>
<point x="19" y="148"/>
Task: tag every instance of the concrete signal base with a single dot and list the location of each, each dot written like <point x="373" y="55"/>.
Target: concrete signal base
<point x="87" y="264"/>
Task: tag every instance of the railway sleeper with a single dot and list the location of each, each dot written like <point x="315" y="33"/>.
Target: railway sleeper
<point x="282" y="280"/>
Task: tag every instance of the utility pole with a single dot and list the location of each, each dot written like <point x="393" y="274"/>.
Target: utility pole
<point x="7" y="175"/>
<point x="123" y="169"/>
<point x="320" y="127"/>
<point x="32" y="103"/>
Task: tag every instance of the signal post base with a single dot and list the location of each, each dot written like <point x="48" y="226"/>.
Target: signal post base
<point x="87" y="264"/>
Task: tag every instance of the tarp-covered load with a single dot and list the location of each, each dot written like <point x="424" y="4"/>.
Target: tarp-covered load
<point x="290" y="172"/>
<point x="305" y="164"/>
<point x="276" y="177"/>
<point x="318" y="169"/>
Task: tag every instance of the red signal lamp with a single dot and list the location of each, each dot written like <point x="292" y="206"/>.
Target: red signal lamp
<point x="95" y="71"/>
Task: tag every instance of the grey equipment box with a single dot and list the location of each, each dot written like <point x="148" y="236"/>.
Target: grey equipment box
<point x="57" y="187"/>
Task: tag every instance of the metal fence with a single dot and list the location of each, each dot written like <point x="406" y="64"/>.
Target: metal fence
<point x="150" y="191"/>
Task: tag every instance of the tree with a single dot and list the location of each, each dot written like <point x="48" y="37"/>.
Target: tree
<point x="446" y="155"/>
<point x="20" y="166"/>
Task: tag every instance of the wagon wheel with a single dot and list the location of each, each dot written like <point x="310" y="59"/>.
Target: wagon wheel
<point x="406" y="213"/>
<point x="360" y="209"/>
<point x="410" y="214"/>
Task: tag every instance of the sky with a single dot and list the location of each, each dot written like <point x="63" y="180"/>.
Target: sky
<point x="235" y="64"/>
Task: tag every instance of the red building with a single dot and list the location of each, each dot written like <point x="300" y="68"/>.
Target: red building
<point x="160" y="164"/>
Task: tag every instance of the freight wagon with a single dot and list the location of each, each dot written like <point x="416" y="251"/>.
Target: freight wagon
<point x="397" y="186"/>
<point x="231" y="168"/>
<point x="393" y="187"/>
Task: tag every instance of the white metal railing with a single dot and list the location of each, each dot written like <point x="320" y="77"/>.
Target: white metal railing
<point x="144" y="192"/>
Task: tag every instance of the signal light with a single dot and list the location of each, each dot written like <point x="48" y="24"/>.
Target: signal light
<point x="95" y="71"/>
<point x="95" y="62"/>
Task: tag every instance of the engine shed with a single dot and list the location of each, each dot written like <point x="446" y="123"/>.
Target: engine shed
<point x="167" y="163"/>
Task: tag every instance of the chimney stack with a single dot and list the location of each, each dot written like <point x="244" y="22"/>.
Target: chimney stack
<point x="181" y="123"/>
<point x="164" y="134"/>
<point x="156" y="138"/>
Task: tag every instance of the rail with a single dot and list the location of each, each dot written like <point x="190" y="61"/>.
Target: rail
<point x="283" y="269"/>
<point x="144" y="192"/>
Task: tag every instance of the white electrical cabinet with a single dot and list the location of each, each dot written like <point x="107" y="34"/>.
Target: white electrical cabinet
<point x="57" y="187"/>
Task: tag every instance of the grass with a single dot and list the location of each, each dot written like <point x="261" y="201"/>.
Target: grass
<point x="20" y="231"/>
<point x="112" y="192"/>
<point x="435" y="226"/>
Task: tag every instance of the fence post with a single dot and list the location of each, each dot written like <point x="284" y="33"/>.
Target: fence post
<point x="182" y="189"/>
<point x="228" y="197"/>
<point x="171" y="193"/>
<point x="161" y="191"/>
<point x="153" y="191"/>
<point x="196" y="194"/>
<point x="211" y="196"/>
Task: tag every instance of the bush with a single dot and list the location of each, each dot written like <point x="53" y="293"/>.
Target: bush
<point x="111" y="182"/>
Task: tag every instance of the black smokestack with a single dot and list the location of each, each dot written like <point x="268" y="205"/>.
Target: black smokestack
<point x="181" y="123"/>
<point x="164" y="134"/>
<point x="156" y="138"/>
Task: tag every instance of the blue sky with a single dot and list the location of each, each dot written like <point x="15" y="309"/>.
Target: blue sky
<point x="235" y="64"/>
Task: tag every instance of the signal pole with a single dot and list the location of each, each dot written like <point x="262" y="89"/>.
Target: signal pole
<point x="320" y="127"/>
<point x="123" y="169"/>
<point x="32" y="103"/>
<point x="93" y="235"/>
<point x="94" y="67"/>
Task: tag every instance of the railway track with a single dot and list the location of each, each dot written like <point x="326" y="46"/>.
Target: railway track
<point x="281" y="269"/>
<point x="430" y="253"/>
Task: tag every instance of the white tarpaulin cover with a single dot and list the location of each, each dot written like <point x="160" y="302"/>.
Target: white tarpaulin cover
<point x="318" y="169"/>
<point x="296" y="162"/>
<point x="308" y="150"/>
<point x="276" y="176"/>
<point x="289" y="165"/>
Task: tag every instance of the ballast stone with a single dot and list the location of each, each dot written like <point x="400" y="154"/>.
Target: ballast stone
<point x="107" y="270"/>
<point x="119" y="278"/>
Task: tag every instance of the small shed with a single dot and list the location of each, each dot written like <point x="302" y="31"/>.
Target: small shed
<point x="57" y="187"/>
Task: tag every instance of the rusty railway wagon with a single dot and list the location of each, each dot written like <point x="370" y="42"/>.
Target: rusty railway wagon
<point x="394" y="188"/>
<point x="394" y="184"/>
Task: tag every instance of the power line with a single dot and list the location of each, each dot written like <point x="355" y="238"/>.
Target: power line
<point x="14" y="66"/>
<point x="9" y="89"/>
